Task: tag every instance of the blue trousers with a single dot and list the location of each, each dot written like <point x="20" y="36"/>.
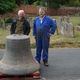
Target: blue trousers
<point x="42" y="45"/>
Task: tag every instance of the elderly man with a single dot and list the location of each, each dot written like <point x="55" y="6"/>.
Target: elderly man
<point x="43" y="27"/>
<point x="20" y="25"/>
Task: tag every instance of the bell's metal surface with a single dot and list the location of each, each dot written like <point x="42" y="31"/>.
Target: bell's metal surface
<point x="18" y="59"/>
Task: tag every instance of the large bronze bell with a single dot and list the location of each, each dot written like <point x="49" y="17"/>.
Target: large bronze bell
<point x="18" y="59"/>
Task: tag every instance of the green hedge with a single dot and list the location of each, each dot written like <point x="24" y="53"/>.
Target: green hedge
<point x="7" y="5"/>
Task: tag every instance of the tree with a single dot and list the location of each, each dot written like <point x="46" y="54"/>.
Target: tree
<point x="75" y="3"/>
<point x="6" y="5"/>
<point x="58" y="3"/>
<point x="9" y="5"/>
<point x="19" y="2"/>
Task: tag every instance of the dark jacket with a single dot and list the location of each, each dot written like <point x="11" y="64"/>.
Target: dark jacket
<point x="26" y="27"/>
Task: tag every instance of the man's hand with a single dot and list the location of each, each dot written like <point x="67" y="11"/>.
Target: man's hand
<point x="50" y="34"/>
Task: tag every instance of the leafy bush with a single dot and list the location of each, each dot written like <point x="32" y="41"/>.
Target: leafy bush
<point x="7" y="5"/>
<point x="36" y="3"/>
<point x="8" y="20"/>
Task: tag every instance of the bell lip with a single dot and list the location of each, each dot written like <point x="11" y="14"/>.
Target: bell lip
<point x="17" y="36"/>
<point x="4" y="69"/>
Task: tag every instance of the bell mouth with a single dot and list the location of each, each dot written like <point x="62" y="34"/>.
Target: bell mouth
<point x="26" y="69"/>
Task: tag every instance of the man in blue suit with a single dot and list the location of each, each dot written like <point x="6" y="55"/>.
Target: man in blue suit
<point x="43" y="28"/>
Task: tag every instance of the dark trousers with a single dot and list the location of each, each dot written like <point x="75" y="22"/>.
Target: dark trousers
<point x="42" y="45"/>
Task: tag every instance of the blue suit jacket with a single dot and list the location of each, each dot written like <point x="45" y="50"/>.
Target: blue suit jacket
<point x="47" y="27"/>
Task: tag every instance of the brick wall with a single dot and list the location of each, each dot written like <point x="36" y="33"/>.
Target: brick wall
<point x="33" y="10"/>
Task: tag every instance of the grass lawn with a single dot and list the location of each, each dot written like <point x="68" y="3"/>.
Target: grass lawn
<point x="74" y="20"/>
<point x="55" y="40"/>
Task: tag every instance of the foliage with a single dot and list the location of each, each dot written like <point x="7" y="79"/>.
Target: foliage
<point x="8" y="20"/>
<point x="57" y="3"/>
<point x="9" y="5"/>
<point x="75" y="3"/>
<point x="6" y="5"/>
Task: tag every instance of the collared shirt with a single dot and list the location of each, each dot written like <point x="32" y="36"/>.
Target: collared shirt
<point x="41" y="19"/>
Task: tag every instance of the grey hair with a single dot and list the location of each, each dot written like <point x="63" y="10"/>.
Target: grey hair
<point x="43" y="8"/>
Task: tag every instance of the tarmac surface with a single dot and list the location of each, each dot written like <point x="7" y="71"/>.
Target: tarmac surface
<point x="64" y="64"/>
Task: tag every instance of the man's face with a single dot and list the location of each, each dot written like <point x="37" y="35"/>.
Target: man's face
<point x="21" y="15"/>
<point x="41" y="12"/>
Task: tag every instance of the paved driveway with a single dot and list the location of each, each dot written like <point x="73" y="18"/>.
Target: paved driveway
<point x="64" y="64"/>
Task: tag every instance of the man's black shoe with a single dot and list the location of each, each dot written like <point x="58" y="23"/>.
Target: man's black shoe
<point x="46" y="63"/>
<point x="39" y="62"/>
